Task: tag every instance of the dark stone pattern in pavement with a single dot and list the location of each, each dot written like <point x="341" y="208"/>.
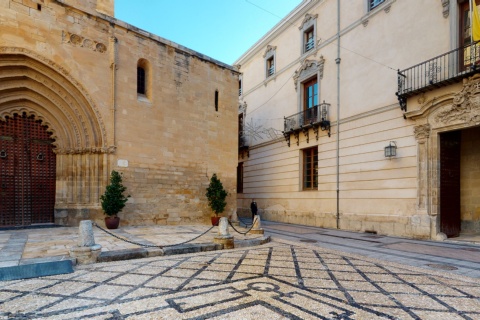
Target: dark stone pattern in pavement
<point x="269" y="282"/>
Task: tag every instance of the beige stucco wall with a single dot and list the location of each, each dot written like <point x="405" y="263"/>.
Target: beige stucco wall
<point x="167" y="144"/>
<point x="375" y="193"/>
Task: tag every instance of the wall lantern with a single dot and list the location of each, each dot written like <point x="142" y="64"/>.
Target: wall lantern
<point x="324" y="122"/>
<point x="391" y="150"/>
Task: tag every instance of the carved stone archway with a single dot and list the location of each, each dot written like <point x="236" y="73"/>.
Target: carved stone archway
<point x="447" y="112"/>
<point x="33" y="85"/>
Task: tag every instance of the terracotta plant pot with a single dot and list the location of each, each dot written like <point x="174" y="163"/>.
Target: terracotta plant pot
<point x="215" y="221"/>
<point x="112" y="222"/>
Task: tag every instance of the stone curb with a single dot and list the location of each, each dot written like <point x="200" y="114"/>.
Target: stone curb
<point x="119" y="255"/>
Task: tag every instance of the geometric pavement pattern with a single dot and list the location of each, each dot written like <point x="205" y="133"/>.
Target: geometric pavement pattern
<point x="274" y="281"/>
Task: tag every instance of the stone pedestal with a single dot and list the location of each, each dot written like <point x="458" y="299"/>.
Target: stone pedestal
<point x="224" y="238"/>
<point x="86" y="251"/>
<point x="257" y="226"/>
<point x="234" y="218"/>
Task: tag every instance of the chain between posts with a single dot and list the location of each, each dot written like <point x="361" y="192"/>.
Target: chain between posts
<point x="150" y="245"/>
<point x="243" y="233"/>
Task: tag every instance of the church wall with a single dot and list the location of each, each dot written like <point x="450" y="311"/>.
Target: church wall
<point x="167" y="143"/>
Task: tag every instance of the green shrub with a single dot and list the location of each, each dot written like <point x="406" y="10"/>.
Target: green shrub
<point x="216" y="195"/>
<point x="113" y="199"/>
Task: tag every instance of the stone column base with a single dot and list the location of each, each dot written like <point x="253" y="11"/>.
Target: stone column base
<point x="257" y="231"/>
<point x="226" y="241"/>
<point x="86" y="255"/>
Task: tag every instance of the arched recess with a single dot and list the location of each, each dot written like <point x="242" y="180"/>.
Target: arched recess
<point x="447" y="112"/>
<point x="32" y="84"/>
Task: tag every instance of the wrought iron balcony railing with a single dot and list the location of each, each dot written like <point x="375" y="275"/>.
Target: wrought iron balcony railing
<point x="315" y="117"/>
<point x="309" y="45"/>
<point x="437" y="72"/>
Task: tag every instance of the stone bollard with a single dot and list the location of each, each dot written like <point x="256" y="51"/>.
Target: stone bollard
<point x="224" y="236"/>
<point x="257" y="226"/>
<point x="86" y="251"/>
<point x="234" y="218"/>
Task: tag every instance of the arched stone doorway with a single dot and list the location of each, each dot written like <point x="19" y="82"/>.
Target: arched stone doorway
<point x="27" y="172"/>
<point x="37" y="87"/>
<point x="447" y="133"/>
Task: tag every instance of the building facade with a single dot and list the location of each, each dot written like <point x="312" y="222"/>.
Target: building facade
<point x="364" y="115"/>
<point x="82" y="94"/>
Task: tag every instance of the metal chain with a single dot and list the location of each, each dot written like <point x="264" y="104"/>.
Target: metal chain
<point x="149" y="245"/>
<point x="242" y="221"/>
<point x="243" y="233"/>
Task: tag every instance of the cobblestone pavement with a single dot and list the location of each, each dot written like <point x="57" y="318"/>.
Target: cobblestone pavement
<point x="279" y="280"/>
<point x="452" y="255"/>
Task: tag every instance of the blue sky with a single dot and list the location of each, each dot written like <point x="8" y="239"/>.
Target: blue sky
<point x="221" y="29"/>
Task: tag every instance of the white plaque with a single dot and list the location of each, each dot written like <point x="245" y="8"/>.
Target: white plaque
<point x="122" y="163"/>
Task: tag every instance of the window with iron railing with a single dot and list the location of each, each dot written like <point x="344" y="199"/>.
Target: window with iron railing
<point x="309" y="45"/>
<point x="309" y="40"/>
<point x="374" y="3"/>
<point x="270" y="66"/>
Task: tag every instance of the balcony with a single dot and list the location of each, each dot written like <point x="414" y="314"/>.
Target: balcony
<point x="315" y="117"/>
<point x="438" y="72"/>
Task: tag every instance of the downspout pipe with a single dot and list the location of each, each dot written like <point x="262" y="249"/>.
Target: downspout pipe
<point x="337" y="60"/>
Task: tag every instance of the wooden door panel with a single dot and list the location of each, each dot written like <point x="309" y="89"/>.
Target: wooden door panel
<point x="27" y="173"/>
<point x="450" y="183"/>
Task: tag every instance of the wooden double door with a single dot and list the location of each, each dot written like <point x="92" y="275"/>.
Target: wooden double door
<point x="27" y="172"/>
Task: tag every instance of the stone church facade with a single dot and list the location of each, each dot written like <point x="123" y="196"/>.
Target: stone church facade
<point x="363" y="115"/>
<point x="82" y="94"/>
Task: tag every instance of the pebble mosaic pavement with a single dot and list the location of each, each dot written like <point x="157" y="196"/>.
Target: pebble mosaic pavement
<point x="279" y="280"/>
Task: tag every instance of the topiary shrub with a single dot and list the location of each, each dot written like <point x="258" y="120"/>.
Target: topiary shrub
<point x="216" y="195"/>
<point x="113" y="199"/>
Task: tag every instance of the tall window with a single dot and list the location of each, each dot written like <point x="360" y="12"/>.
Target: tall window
<point x="466" y="35"/>
<point x="269" y="56"/>
<point x="143" y="79"/>
<point x="310" y="168"/>
<point x="240" y="87"/>
<point x="216" y="100"/>
<point x="270" y="66"/>
<point x="309" y="39"/>
<point x="240" y="178"/>
<point x="308" y="32"/>
<point x="374" y="3"/>
<point x="310" y="103"/>
<point x="141" y="86"/>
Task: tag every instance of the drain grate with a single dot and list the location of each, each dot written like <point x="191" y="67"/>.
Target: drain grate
<point x="441" y="266"/>
<point x="308" y="240"/>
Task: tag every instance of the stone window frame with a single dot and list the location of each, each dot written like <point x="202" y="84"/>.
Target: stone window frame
<point x="308" y="24"/>
<point x="270" y="61"/>
<point x="146" y="93"/>
<point x="308" y="70"/>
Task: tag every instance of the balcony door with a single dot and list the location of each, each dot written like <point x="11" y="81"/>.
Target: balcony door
<point x="469" y="54"/>
<point x="310" y="94"/>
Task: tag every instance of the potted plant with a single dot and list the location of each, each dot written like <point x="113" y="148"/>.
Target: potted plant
<point x="113" y="200"/>
<point x="216" y="195"/>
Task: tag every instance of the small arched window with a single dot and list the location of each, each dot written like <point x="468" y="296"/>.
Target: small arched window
<point x="141" y="80"/>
